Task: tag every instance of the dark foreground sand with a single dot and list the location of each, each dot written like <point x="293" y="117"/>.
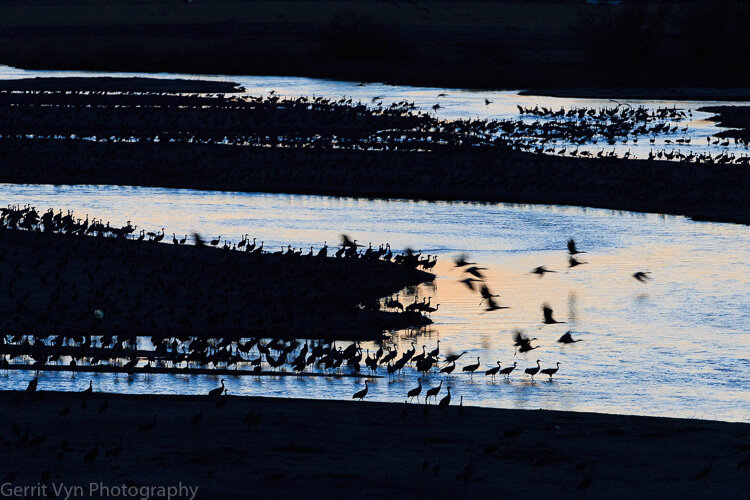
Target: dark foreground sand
<point x="336" y="449"/>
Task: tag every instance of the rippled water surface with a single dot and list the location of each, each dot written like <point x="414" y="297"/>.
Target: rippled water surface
<point x="676" y="346"/>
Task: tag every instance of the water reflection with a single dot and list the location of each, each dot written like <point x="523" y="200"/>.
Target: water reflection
<point x="675" y="346"/>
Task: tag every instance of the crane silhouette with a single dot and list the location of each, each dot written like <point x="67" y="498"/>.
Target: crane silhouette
<point x="551" y="371"/>
<point x="471" y="368"/>
<point x="361" y="394"/>
<point x="548" y="319"/>
<point x="533" y="370"/>
<point x="414" y="393"/>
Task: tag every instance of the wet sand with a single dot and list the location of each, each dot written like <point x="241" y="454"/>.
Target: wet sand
<point x="279" y="448"/>
<point x="54" y="282"/>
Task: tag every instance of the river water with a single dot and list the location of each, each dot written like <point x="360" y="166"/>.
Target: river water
<point x="678" y="345"/>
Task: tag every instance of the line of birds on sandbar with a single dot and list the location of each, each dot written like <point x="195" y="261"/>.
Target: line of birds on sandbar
<point x="28" y="218"/>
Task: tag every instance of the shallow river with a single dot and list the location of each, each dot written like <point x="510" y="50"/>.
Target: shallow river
<point x="678" y="345"/>
<point x="466" y="104"/>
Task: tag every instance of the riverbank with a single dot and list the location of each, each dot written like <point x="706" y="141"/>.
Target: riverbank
<point x="272" y="448"/>
<point x="503" y="44"/>
<point x="56" y="282"/>
<point x="717" y="193"/>
<point x="736" y="118"/>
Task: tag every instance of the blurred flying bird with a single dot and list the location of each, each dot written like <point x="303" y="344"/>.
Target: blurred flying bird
<point x="476" y="271"/>
<point x="567" y="338"/>
<point x="572" y="250"/>
<point x="461" y="261"/>
<point x="572" y="262"/>
<point x="541" y="270"/>
<point x="548" y="319"/>
<point x="469" y="282"/>
<point x="642" y="276"/>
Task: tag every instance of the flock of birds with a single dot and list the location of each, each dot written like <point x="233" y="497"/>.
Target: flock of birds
<point x="27" y="218"/>
<point x="328" y="357"/>
<point x="318" y="122"/>
<point x="475" y="282"/>
<point x="581" y="128"/>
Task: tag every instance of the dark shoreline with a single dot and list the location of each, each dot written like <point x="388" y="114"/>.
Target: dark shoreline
<point x="715" y="193"/>
<point x="56" y="282"/>
<point x="736" y="118"/>
<point x="274" y="447"/>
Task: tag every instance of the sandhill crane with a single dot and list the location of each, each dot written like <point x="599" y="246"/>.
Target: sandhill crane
<point x="31" y="388"/>
<point x="88" y="390"/>
<point x="476" y="271"/>
<point x="548" y="319"/>
<point x="541" y="270"/>
<point x="484" y="290"/>
<point x="448" y="369"/>
<point x="551" y="371"/>
<point x="361" y="394"/>
<point x="469" y="283"/>
<point x="414" y="393"/>
<point x="471" y="368"/>
<point x="460" y="261"/>
<point x="533" y="370"/>
<point x="446" y="400"/>
<point x="394" y="304"/>
<point x="522" y="342"/>
<point x="493" y="371"/>
<point x="436" y="351"/>
<point x="572" y="250"/>
<point x="494" y="306"/>
<point x="452" y="358"/>
<point x="642" y="276"/>
<point x="216" y="241"/>
<point x="432" y="393"/>
<point x="573" y="262"/>
<point x="508" y="370"/>
<point x="215" y="393"/>
<point x="567" y="338"/>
